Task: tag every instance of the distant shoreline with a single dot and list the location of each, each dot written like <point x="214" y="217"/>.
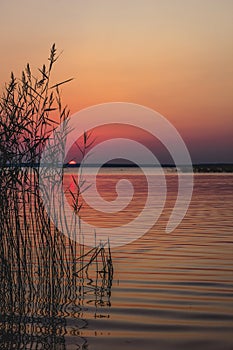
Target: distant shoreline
<point x="197" y="168"/>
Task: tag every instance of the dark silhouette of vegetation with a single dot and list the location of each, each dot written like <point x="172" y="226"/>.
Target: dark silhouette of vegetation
<point x="41" y="270"/>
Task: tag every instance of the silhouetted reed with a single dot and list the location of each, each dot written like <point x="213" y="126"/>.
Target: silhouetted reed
<point x="41" y="270"/>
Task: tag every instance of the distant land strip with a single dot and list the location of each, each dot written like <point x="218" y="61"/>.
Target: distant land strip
<point x="197" y="168"/>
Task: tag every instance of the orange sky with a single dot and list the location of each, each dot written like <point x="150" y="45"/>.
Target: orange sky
<point x="175" y="56"/>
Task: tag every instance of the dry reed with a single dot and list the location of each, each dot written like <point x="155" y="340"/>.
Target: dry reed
<point x="41" y="270"/>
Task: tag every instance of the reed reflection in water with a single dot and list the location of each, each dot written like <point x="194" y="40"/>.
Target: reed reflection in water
<point x="53" y="320"/>
<point x="46" y="278"/>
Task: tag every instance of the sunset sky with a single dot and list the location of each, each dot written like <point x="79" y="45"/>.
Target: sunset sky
<point x="175" y="56"/>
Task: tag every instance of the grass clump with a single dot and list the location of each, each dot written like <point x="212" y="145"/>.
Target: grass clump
<point x="41" y="270"/>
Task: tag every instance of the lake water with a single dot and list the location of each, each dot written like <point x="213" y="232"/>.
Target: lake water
<point x="170" y="291"/>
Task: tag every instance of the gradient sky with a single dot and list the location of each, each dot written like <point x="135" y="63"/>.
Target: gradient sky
<point x="175" y="56"/>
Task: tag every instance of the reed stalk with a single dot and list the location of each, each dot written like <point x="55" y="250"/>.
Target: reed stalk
<point x="41" y="270"/>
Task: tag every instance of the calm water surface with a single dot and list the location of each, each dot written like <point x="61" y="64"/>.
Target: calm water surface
<point x="170" y="291"/>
